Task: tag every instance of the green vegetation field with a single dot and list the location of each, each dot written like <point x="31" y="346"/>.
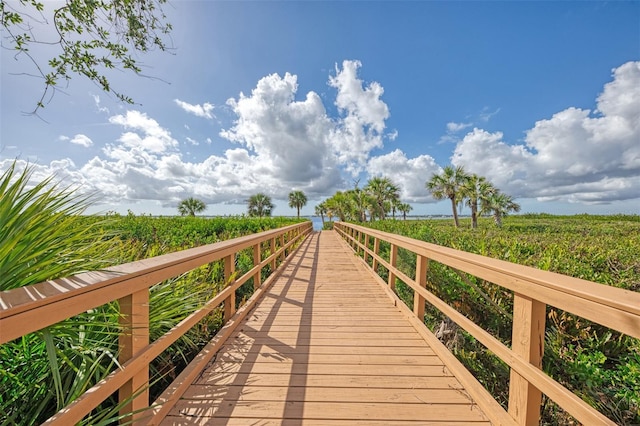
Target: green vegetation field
<point x="600" y="365"/>
<point x="44" y="371"/>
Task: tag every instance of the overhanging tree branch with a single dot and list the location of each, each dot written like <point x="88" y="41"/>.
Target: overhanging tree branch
<point x="93" y="36"/>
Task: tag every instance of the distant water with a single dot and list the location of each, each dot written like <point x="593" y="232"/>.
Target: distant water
<point x="317" y="222"/>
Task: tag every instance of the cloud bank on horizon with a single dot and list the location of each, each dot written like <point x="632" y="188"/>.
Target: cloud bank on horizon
<point x="284" y="140"/>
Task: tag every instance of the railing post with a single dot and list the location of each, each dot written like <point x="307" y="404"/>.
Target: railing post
<point x="273" y="251"/>
<point x="229" y="302"/>
<point x="284" y="252"/>
<point x="376" y="250"/>
<point x="528" y="342"/>
<point x="366" y="245"/>
<point x="134" y="320"/>
<point x="422" y="266"/>
<point x="257" y="258"/>
<point x="393" y="258"/>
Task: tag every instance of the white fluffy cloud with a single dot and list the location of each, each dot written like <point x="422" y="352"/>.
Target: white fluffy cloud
<point x="151" y="137"/>
<point x="409" y="174"/>
<point x="82" y="140"/>
<point x="205" y="110"/>
<point x="78" y="139"/>
<point x="577" y="155"/>
<point x="283" y="140"/>
<point x="360" y="130"/>
<point x="286" y="137"/>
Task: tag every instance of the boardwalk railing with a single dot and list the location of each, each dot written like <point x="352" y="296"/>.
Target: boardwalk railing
<point x="29" y="309"/>
<point x="533" y="289"/>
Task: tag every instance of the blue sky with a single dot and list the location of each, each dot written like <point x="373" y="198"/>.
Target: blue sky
<point x="542" y="98"/>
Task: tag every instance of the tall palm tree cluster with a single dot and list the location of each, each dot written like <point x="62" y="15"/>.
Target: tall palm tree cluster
<point x="376" y="200"/>
<point x="480" y="195"/>
<point x="380" y="197"/>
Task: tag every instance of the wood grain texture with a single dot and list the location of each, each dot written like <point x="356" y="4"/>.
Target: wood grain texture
<point x="326" y="345"/>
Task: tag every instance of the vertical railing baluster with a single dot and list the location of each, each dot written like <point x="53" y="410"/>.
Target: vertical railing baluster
<point x="229" y="302"/>
<point x="282" y="255"/>
<point x="393" y="259"/>
<point x="376" y="251"/>
<point x="366" y="245"/>
<point x="422" y="266"/>
<point x="528" y="342"/>
<point x="273" y="252"/>
<point x="134" y="321"/>
<point x="257" y="258"/>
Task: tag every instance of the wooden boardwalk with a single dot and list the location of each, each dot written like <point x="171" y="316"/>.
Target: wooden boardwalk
<point x="326" y="345"/>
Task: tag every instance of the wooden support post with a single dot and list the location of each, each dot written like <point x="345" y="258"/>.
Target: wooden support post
<point x="376" y="250"/>
<point x="257" y="258"/>
<point x="273" y="251"/>
<point x="229" y="302"/>
<point x="528" y="342"/>
<point x="422" y="266"/>
<point x="282" y="246"/>
<point x="134" y="320"/>
<point x="366" y="245"/>
<point x="393" y="258"/>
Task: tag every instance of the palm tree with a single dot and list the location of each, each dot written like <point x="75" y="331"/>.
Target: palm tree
<point x="383" y="193"/>
<point x="447" y="185"/>
<point x="404" y="208"/>
<point x="474" y="190"/>
<point x="297" y="200"/>
<point x="499" y="205"/>
<point x="260" y="205"/>
<point x="339" y="205"/>
<point x="321" y="210"/>
<point x="360" y="200"/>
<point x="191" y="206"/>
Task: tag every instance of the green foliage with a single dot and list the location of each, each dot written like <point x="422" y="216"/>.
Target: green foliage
<point x="43" y="237"/>
<point x="37" y="238"/>
<point x="191" y="206"/>
<point x="448" y="185"/>
<point x="91" y="37"/>
<point x="378" y="197"/>
<point x="600" y="365"/>
<point x="297" y="200"/>
<point x="259" y="205"/>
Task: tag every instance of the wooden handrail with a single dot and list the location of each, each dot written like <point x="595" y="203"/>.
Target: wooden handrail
<point x="533" y="289"/>
<point x="28" y="309"/>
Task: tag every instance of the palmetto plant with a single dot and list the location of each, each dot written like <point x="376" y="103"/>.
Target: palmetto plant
<point x="39" y="240"/>
<point x="191" y="206"/>
<point x="260" y="205"/>
<point x="476" y="190"/>
<point x="404" y="208"/>
<point x="448" y="185"/>
<point x="36" y="238"/>
<point x="383" y="193"/>
<point x="297" y="200"/>
<point x="499" y="204"/>
<point x="42" y="237"/>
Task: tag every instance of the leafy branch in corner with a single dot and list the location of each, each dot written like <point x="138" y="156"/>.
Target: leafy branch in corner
<point x="91" y="37"/>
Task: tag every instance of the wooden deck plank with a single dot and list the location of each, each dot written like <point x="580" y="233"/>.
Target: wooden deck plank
<point x="331" y="410"/>
<point x="254" y="421"/>
<point x="326" y="346"/>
